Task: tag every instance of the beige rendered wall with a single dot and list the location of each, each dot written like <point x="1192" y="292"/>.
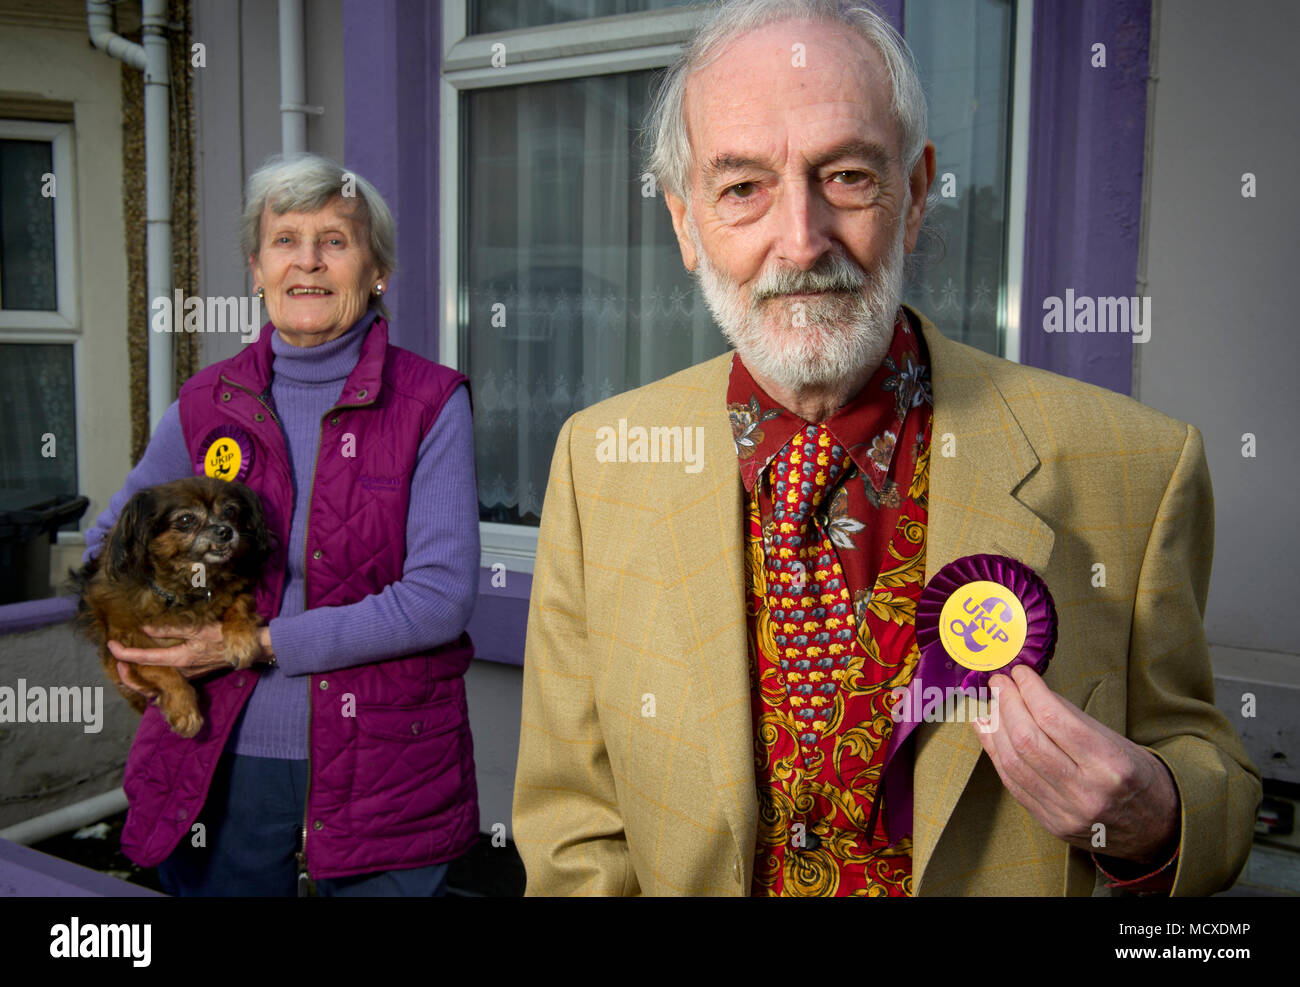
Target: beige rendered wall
<point x="59" y="64"/>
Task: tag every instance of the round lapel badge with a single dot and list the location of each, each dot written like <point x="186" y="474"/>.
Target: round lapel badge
<point x="982" y="625"/>
<point x="987" y="613"/>
<point x="226" y="454"/>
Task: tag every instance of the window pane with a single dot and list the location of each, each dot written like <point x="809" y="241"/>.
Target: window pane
<point x="26" y="227"/>
<point x="486" y="16"/>
<point x="963" y="51"/>
<point x="37" y="400"/>
<point x="572" y="284"/>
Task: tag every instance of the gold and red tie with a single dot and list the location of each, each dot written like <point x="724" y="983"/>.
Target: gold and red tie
<point x="808" y="596"/>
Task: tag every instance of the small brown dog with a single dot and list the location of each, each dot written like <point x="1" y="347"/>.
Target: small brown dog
<point x="182" y="554"/>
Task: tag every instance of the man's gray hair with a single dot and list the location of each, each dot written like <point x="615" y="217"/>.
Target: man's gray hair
<point x="670" y="157"/>
<point x="305" y="183"/>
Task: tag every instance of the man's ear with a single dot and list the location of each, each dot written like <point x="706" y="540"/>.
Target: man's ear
<point x="918" y="184"/>
<point x="677" y="210"/>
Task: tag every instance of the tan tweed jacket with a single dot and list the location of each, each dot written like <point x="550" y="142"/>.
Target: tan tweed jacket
<point x="636" y="766"/>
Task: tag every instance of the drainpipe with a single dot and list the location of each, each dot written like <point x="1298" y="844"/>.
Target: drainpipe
<point x="293" y="80"/>
<point x="150" y="58"/>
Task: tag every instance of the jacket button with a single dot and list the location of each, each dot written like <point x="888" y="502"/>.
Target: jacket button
<point x="239" y="682"/>
<point x="324" y="683"/>
<point x="316" y="554"/>
<point x="415" y="728"/>
<point x="259" y="417"/>
<point x="361" y="393"/>
<point x="334" y="420"/>
<point x="181" y="813"/>
<point x="225" y="396"/>
<point x="318" y="825"/>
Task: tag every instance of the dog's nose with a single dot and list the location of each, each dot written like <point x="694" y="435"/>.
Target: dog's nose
<point x="223" y="532"/>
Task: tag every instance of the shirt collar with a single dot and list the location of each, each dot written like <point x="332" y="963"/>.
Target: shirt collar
<point x="868" y="425"/>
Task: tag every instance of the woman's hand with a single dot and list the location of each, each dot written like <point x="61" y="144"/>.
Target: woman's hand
<point x="200" y="652"/>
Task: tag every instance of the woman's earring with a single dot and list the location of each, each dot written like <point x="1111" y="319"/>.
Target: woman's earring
<point x="259" y="292"/>
<point x="379" y="288"/>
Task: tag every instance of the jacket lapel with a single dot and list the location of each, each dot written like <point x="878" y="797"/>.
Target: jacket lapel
<point x="700" y="545"/>
<point x="979" y="457"/>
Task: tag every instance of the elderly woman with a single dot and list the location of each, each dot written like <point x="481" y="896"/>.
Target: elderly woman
<point x="343" y="756"/>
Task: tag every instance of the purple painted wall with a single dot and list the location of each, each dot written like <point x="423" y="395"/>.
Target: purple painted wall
<point x="1086" y="139"/>
<point x="391" y="53"/>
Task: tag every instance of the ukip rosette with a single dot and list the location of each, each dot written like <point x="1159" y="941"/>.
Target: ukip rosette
<point x="988" y="613"/>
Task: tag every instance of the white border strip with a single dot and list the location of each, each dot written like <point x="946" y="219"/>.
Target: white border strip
<point x="1013" y="325"/>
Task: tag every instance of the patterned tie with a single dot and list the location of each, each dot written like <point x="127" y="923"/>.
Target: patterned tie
<point x="808" y="596"/>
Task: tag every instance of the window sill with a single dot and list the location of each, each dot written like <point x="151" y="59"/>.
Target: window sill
<point x="511" y="545"/>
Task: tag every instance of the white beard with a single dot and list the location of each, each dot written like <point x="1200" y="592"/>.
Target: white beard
<point x="842" y="332"/>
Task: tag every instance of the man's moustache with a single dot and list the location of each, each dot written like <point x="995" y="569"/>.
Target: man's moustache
<point x="807" y="283"/>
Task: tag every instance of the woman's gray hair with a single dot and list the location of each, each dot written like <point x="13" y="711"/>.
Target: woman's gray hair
<point x="305" y="183"/>
<point x="670" y="156"/>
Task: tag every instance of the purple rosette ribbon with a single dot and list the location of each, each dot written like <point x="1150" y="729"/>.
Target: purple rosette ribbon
<point x="232" y="436"/>
<point x="1020" y="580"/>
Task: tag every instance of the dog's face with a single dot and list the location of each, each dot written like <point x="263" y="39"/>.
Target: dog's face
<point x="165" y="531"/>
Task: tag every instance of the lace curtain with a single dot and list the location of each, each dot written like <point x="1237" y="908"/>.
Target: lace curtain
<point x="26" y="227"/>
<point x="573" y="288"/>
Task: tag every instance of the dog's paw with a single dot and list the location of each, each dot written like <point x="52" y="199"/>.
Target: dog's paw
<point x="185" y="723"/>
<point x="242" y="648"/>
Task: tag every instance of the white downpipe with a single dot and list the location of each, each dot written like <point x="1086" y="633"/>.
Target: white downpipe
<point x="65" y="820"/>
<point x="293" y="80"/>
<point x="151" y="58"/>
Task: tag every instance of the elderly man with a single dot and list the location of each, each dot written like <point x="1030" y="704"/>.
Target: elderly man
<point x="681" y="734"/>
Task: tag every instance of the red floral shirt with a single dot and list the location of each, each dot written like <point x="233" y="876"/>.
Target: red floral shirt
<point x="821" y="826"/>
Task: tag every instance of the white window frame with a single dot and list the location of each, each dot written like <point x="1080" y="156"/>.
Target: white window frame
<point x="575" y="49"/>
<point x="1017" y="181"/>
<point x="630" y="43"/>
<point x="61" y="326"/>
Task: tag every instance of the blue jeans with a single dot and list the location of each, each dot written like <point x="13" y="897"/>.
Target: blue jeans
<point x="253" y="822"/>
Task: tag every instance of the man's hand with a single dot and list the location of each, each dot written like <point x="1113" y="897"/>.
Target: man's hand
<point x="1072" y="772"/>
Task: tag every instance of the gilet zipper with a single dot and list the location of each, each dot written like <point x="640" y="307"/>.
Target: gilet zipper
<point x="304" y="875"/>
<point x="304" y="879"/>
<point x="269" y="410"/>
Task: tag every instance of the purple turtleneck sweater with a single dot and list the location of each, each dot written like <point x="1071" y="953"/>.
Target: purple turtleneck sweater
<point x="428" y="606"/>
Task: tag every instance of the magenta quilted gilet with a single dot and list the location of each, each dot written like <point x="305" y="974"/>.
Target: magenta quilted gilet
<point x="392" y="768"/>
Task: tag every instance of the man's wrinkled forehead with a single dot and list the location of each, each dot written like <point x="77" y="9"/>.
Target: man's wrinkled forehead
<point x="803" y="79"/>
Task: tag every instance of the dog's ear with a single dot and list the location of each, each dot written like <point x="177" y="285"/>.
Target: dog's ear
<point x="255" y="522"/>
<point x="127" y="553"/>
<point x="78" y="580"/>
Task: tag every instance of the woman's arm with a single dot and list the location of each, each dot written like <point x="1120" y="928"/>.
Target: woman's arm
<point x="431" y="604"/>
<point x="166" y="458"/>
